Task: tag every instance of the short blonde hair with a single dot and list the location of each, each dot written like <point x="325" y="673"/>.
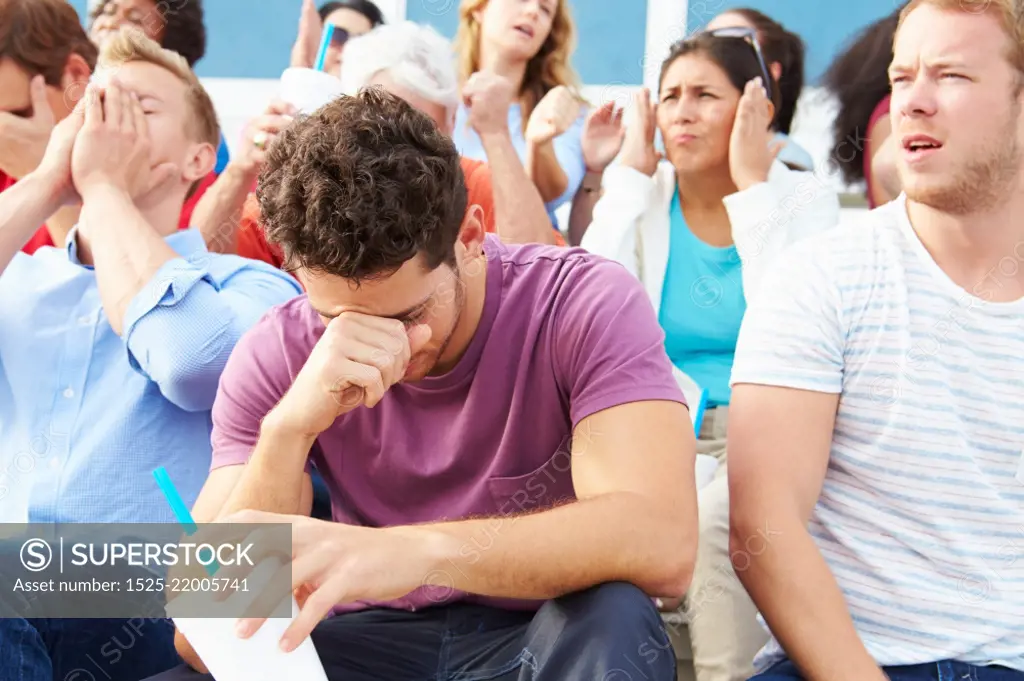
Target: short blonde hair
<point x="1010" y="14"/>
<point x="132" y="46"/>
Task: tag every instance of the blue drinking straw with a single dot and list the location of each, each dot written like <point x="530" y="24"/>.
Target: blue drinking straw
<point x="181" y="512"/>
<point x="325" y="42"/>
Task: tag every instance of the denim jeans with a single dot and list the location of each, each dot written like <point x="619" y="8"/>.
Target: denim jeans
<point x="611" y="632"/>
<point x="85" y="650"/>
<point x="946" y="670"/>
<point x="321" y="497"/>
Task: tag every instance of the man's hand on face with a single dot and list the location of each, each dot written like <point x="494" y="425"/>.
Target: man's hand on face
<point x="55" y="167"/>
<point x="23" y="140"/>
<point x="113" y="147"/>
<point x="354" y="364"/>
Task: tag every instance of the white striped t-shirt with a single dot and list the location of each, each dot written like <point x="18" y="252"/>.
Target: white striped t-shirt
<point x="921" y="516"/>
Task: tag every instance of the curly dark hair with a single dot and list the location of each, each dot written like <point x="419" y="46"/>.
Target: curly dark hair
<point x="362" y="186"/>
<point x="859" y="80"/>
<point x="184" y="30"/>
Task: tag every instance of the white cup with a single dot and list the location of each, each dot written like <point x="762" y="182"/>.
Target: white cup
<point x="307" y="89"/>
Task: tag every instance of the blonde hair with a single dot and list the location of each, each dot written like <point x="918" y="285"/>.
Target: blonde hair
<point x="548" y="69"/>
<point x="1009" y="13"/>
<point x="131" y="46"/>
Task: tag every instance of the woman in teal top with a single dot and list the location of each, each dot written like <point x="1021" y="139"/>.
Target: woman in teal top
<point x="702" y="306"/>
<point x="700" y="228"/>
<point x="689" y="220"/>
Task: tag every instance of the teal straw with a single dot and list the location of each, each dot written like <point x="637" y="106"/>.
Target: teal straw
<point x="180" y="509"/>
<point x="325" y="42"/>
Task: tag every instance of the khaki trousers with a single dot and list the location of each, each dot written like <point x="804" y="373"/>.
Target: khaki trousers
<point x="724" y="632"/>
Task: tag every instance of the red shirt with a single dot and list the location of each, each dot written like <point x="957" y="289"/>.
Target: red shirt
<point x="42" y="236"/>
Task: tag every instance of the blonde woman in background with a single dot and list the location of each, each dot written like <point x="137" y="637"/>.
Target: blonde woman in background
<point x="529" y="42"/>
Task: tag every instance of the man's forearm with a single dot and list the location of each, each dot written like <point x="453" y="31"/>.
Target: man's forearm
<point x="583" y="203"/>
<point x="520" y="213"/>
<point x="274" y="476"/>
<point x="219" y="211"/>
<point x="795" y="591"/>
<point x="126" y="250"/>
<point x="23" y="209"/>
<point x="615" y="537"/>
<point x="544" y="170"/>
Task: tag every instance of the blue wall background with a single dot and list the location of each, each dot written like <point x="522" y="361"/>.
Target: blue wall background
<point x="253" y="39"/>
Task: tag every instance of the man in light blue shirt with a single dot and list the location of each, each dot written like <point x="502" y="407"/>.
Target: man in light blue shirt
<point x="111" y="348"/>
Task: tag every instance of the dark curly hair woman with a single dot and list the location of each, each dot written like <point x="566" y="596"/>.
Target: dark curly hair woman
<point x="859" y="80"/>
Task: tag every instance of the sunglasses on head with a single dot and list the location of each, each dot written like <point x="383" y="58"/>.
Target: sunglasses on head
<point x="750" y="35"/>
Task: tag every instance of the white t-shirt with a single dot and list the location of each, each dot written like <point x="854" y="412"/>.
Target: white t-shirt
<point x="921" y="517"/>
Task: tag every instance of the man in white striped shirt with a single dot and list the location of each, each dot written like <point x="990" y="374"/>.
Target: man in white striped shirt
<point x="876" y="461"/>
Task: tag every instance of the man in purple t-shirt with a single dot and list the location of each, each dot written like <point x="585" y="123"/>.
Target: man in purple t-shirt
<point x="510" y="459"/>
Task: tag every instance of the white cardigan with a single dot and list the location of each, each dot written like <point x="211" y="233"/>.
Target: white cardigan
<point x="765" y="218"/>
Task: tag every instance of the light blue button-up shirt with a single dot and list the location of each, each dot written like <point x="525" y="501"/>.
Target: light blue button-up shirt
<point x="85" y="415"/>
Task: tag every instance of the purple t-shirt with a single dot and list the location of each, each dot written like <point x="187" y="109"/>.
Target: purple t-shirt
<point x="563" y="335"/>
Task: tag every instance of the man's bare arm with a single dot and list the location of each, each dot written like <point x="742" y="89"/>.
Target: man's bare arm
<point x="520" y="213"/>
<point x="544" y="170"/>
<point x="635" y="521"/>
<point x="582" y="213"/>
<point x="779" y="443"/>
<point x="275" y="479"/>
<point x="23" y="208"/>
<point x="219" y="211"/>
<point x="218" y="214"/>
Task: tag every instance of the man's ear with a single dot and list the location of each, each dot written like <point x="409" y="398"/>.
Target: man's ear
<point x="201" y="161"/>
<point x="74" y="80"/>
<point x="471" y="234"/>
